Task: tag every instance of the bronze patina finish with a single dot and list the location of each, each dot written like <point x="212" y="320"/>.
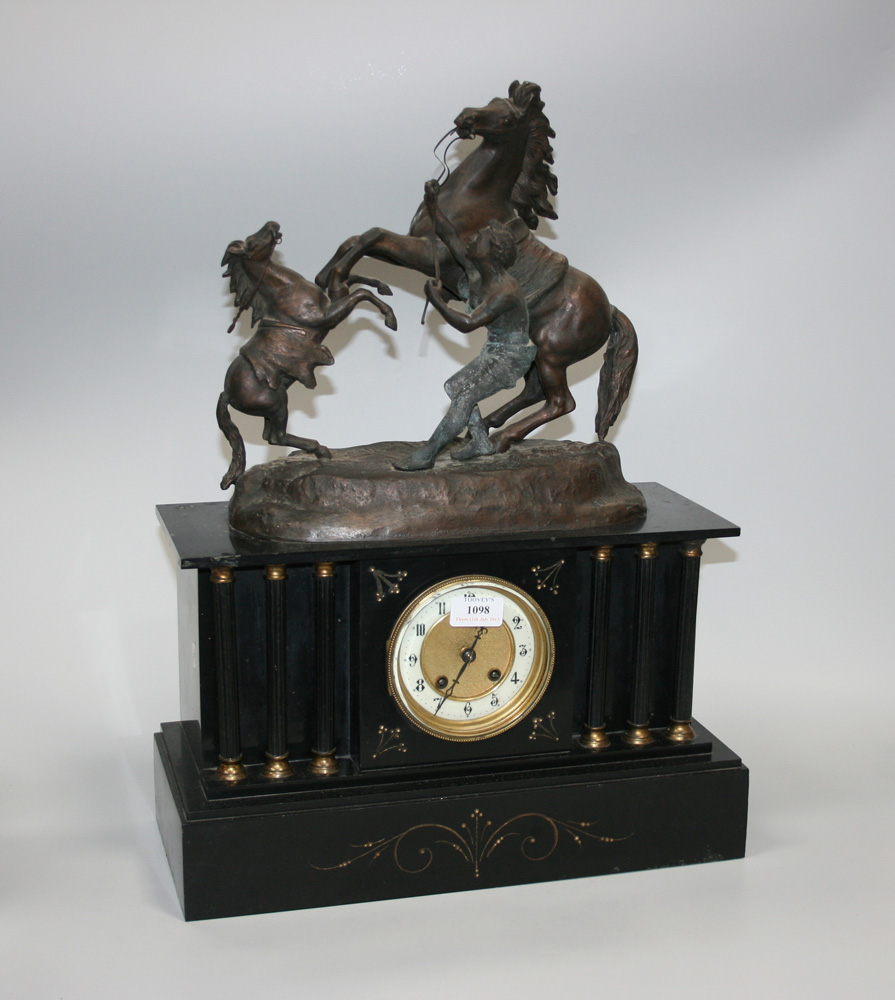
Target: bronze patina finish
<point x="293" y="316"/>
<point x="358" y="494"/>
<point x="507" y="179"/>
<point x="496" y="301"/>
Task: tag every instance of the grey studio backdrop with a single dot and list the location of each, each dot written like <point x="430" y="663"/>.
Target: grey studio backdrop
<point x="725" y="172"/>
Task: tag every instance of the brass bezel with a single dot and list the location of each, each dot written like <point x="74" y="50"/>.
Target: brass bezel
<point x="505" y="717"/>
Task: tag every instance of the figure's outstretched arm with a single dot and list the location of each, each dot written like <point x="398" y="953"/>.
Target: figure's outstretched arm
<point x="482" y="315"/>
<point x="445" y="230"/>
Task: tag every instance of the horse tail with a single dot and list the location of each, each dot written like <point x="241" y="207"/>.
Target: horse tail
<point x="619" y="362"/>
<point x="234" y="438"/>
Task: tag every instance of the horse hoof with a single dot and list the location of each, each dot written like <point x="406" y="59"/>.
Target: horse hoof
<point x="322" y="452"/>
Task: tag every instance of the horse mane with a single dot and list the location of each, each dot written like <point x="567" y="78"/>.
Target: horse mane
<point x="243" y="287"/>
<point x="536" y="181"/>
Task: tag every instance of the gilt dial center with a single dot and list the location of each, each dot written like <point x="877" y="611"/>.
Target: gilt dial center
<point x="447" y="649"/>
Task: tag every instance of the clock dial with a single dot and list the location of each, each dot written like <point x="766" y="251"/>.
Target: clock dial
<point x="470" y="657"/>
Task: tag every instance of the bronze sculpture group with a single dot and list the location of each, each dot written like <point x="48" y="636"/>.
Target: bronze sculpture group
<point x="473" y="238"/>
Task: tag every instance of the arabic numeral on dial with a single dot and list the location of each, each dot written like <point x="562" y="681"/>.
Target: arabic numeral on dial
<point x="442" y="608"/>
<point x="420" y="685"/>
<point x="517" y="622"/>
<point x="467" y="709"/>
<point x="420" y="629"/>
<point x="523" y="650"/>
<point x="495" y="701"/>
<point x="411" y="660"/>
<point x="515" y="678"/>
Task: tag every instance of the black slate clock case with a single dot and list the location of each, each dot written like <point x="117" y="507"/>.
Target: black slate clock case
<point x="283" y="649"/>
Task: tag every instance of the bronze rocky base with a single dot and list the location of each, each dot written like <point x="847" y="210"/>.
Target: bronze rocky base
<point x="358" y="494"/>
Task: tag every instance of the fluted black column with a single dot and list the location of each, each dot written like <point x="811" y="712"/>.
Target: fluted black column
<point x="594" y="735"/>
<point x="638" y="732"/>
<point x="277" y="752"/>
<point x="679" y="728"/>
<point x="323" y="760"/>
<point x="229" y="751"/>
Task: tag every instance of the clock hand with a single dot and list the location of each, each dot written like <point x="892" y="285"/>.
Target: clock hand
<point x="467" y="655"/>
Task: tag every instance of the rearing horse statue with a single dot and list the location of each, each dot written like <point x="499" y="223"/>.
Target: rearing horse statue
<point x="293" y="316"/>
<point x="507" y="178"/>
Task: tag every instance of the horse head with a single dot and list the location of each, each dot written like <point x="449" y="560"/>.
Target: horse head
<point x="502" y="116"/>
<point x="518" y="118"/>
<point x="246" y="280"/>
<point x="258" y="246"/>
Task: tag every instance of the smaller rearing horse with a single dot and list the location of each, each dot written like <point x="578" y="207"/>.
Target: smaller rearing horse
<point x="293" y="316"/>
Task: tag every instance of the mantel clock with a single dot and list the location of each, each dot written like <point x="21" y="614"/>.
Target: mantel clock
<point x="402" y="718"/>
<point x="417" y="667"/>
